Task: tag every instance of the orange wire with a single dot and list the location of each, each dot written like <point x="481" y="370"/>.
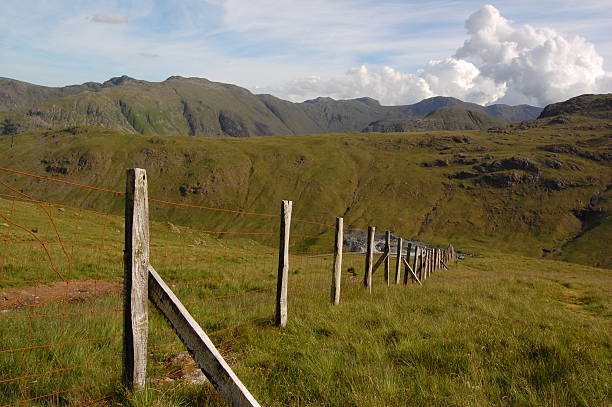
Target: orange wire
<point x="60" y="205"/>
<point x="211" y="208"/>
<point x="61" y="180"/>
<point x="62" y="343"/>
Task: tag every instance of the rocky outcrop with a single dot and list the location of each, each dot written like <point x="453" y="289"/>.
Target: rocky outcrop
<point x="513" y="163"/>
<point x="599" y="156"/>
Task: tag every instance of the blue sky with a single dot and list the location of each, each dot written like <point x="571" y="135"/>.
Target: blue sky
<point x="259" y="44"/>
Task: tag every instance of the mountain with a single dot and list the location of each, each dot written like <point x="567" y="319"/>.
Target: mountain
<point x="444" y="118"/>
<point x="16" y="94"/>
<point x="198" y="107"/>
<point x="598" y="106"/>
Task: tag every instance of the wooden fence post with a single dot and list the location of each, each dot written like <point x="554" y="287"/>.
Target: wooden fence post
<point x="406" y="271"/>
<point x="283" y="264"/>
<point x="337" y="271"/>
<point x="435" y="257"/>
<point x="367" y="278"/>
<point x="388" y="258"/>
<point x="398" y="265"/>
<point x="415" y="261"/>
<point x="135" y="267"/>
<point x="432" y="261"/>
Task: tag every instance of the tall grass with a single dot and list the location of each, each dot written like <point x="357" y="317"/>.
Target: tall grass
<point x="497" y="329"/>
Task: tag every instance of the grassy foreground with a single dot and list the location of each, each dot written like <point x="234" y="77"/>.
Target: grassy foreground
<point x="497" y="329"/>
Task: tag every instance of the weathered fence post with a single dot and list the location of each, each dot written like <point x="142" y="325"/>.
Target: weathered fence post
<point x="388" y="258"/>
<point x="398" y="265"/>
<point x="415" y="262"/>
<point x="136" y="269"/>
<point x="337" y="271"/>
<point x="435" y="259"/>
<point x="406" y="271"/>
<point x="283" y="264"/>
<point x="367" y="278"/>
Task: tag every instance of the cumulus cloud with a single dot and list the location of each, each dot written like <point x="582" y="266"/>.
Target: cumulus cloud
<point x="499" y="62"/>
<point x="109" y="18"/>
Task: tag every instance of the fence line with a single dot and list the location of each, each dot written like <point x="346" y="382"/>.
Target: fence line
<point x="229" y="288"/>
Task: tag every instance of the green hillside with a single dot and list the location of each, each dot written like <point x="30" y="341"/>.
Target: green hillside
<point x="444" y="118"/>
<point x="598" y="106"/>
<point x="538" y="189"/>
<point x="198" y="107"/>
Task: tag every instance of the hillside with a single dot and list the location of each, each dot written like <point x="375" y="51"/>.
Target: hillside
<point x="198" y="107"/>
<point x="444" y="118"/>
<point x="598" y="106"/>
<point x="540" y="190"/>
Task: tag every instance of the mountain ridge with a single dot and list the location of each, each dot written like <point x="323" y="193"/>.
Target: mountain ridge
<point x="199" y="107"/>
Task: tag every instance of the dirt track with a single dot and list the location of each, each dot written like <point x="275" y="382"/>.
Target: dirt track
<point x="71" y="291"/>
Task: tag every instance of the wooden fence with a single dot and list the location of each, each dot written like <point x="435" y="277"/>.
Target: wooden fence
<point x="142" y="282"/>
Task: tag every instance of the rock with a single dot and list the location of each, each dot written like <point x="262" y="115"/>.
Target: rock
<point x="61" y="209"/>
<point x="437" y="163"/>
<point x="573" y="150"/>
<point x="560" y="120"/>
<point x="506" y="180"/>
<point x="554" y="163"/>
<point x="555" y="184"/>
<point x="463" y="175"/>
<point x="461" y="139"/>
<point x="513" y="163"/>
<point x="6" y="225"/>
<point x="463" y="161"/>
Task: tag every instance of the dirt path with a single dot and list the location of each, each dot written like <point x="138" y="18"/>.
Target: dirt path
<point x="71" y="291"/>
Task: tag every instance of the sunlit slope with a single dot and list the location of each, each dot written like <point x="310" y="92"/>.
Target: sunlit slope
<point x="536" y="189"/>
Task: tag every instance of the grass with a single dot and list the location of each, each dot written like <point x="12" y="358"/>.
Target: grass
<point x="497" y="329"/>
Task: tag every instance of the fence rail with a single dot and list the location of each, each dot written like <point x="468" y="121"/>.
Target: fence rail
<point x="62" y="286"/>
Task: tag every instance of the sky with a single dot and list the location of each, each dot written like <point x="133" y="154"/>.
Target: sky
<point x="397" y="52"/>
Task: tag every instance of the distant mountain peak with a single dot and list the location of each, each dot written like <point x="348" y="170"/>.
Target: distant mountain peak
<point x="368" y="101"/>
<point x="120" y="80"/>
<point x="320" y="99"/>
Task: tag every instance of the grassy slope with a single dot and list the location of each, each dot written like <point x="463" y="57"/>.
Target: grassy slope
<point x="368" y="178"/>
<point x="444" y="118"/>
<point x="496" y="329"/>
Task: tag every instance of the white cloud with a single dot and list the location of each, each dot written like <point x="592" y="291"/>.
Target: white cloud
<point x="498" y="62"/>
<point x="149" y="55"/>
<point x="110" y="18"/>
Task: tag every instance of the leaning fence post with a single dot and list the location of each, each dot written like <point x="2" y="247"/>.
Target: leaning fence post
<point x="283" y="264"/>
<point x="337" y="271"/>
<point x="398" y="265"/>
<point x="367" y="278"/>
<point x="136" y="269"/>
<point x="388" y="259"/>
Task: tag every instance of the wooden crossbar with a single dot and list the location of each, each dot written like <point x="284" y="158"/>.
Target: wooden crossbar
<point x="412" y="272"/>
<point x="380" y="261"/>
<point x="198" y="344"/>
